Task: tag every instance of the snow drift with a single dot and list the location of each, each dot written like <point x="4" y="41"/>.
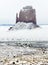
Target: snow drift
<point x="35" y="34"/>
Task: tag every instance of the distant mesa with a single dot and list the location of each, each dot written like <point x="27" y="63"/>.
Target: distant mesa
<point x="27" y="14"/>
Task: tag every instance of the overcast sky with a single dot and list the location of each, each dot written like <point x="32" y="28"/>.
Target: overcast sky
<point x="9" y="8"/>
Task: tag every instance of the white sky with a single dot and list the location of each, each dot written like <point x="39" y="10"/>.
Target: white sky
<point x="8" y="9"/>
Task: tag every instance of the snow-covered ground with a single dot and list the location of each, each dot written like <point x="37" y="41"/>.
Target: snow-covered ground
<point x="13" y="55"/>
<point x="35" y="34"/>
<point x="21" y="55"/>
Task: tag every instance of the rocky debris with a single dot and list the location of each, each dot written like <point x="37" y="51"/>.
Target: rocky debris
<point x="10" y="28"/>
<point x="13" y="63"/>
<point x="28" y="60"/>
<point x="9" y="56"/>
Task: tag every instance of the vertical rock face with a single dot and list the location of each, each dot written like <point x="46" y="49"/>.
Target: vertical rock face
<point x="27" y="14"/>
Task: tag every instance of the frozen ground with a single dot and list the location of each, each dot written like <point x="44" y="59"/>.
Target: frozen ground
<point x="14" y="55"/>
<point x="23" y="54"/>
<point x="35" y="34"/>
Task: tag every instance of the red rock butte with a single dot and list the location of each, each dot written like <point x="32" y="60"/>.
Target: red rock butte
<point x="27" y="14"/>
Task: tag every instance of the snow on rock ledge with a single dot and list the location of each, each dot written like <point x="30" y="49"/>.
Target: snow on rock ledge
<point x="22" y="25"/>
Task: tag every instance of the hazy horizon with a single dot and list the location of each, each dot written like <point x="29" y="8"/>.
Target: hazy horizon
<point x="9" y="8"/>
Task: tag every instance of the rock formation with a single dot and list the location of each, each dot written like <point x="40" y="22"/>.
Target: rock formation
<point x="26" y="19"/>
<point x="27" y="15"/>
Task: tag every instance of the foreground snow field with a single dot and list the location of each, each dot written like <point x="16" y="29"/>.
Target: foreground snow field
<point x="23" y="55"/>
<point x="35" y="34"/>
